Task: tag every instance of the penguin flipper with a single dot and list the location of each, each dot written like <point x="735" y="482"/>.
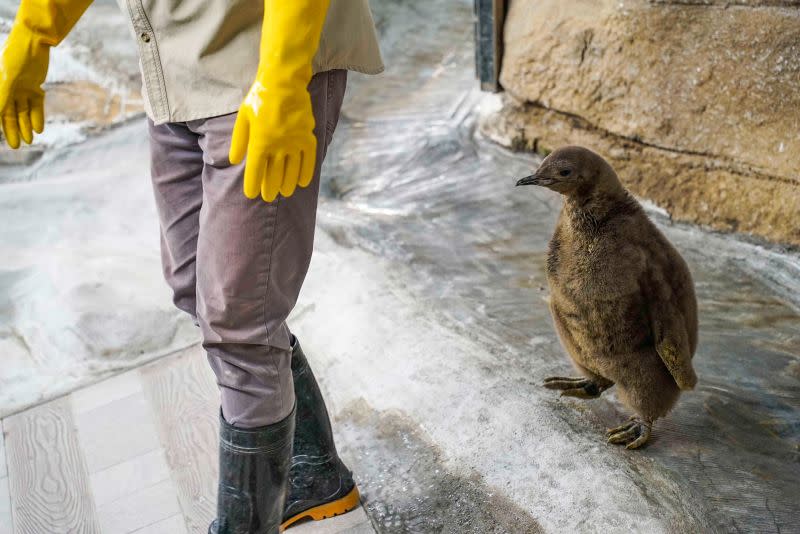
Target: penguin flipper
<point x="668" y="324"/>
<point x="676" y="357"/>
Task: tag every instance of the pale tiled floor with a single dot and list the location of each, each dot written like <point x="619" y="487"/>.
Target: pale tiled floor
<point x="133" y="454"/>
<point x="5" y="497"/>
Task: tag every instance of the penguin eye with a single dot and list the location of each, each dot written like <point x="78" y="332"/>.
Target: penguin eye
<point x="565" y="172"/>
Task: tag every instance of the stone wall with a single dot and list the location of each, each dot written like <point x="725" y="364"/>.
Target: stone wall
<point x="695" y="103"/>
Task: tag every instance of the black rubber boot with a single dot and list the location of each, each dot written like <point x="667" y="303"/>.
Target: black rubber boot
<point x="321" y="486"/>
<point x="254" y="468"/>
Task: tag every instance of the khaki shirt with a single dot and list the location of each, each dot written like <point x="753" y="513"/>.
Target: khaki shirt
<point x="199" y="57"/>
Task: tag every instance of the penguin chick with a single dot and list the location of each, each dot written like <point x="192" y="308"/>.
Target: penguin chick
<point x="622" y="298"/>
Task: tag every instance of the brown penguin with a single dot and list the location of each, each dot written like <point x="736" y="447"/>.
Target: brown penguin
<point x="622" y="297"/>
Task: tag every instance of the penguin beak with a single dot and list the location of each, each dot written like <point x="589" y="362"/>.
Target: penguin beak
<point x="535" y="179"/>
<point x="528" y="180"/>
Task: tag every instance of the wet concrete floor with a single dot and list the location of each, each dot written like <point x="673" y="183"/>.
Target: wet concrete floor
<point x="425" y="192"/>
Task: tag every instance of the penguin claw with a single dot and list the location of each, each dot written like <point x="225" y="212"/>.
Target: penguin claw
<point x="587" y="392"/>
<point x="632" y="434"/>
<point x="564" y="379"/>
<point x="624" y="426"/>
<point x="579" y="387"/>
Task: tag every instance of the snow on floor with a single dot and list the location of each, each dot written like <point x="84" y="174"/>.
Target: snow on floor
<point x="82" y="294"/>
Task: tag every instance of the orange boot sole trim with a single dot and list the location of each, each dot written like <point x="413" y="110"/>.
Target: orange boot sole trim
<point x="327" y="510"/>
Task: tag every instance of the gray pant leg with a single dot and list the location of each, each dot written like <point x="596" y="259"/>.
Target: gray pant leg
<point x="252" y="258"/>
<point x="176" y="165"/>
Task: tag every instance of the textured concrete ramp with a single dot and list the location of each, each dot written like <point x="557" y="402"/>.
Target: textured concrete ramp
<point x="435" y="368"/>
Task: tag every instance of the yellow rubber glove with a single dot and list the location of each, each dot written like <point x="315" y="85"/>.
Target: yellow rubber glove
<point x="39" y="24"/>
<point x="275" y="122"/>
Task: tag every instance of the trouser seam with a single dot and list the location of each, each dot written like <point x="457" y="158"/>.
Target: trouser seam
<point x="328" y="97"/>
<point x="267" y="346"/>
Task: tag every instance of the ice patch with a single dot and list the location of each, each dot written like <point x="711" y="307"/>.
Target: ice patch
<point x="653" y="208"/>
<point x="488" y="104"/>
<point x="61" y="133"/>
<point x="81" y="289"/>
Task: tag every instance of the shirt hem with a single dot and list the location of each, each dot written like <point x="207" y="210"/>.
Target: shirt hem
<point x="355" y="68"/>
<point x="232" y="108"/>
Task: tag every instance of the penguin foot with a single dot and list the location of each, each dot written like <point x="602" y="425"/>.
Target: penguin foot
<point x="580" y="387"/>
<point x="632" y="434"/>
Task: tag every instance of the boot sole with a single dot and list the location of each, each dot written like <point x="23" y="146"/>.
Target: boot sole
<point x="324" y="511"/>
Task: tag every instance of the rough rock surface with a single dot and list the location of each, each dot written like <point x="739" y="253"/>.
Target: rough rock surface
<point x="697" y="104"/>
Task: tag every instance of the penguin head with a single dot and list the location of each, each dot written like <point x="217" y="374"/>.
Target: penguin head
<point x="574" y="171"/>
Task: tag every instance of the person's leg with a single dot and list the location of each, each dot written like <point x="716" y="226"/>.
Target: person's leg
<point x="252" y="258"/>
<point x="176" y="166"/>
<point x="321" y="485"/>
